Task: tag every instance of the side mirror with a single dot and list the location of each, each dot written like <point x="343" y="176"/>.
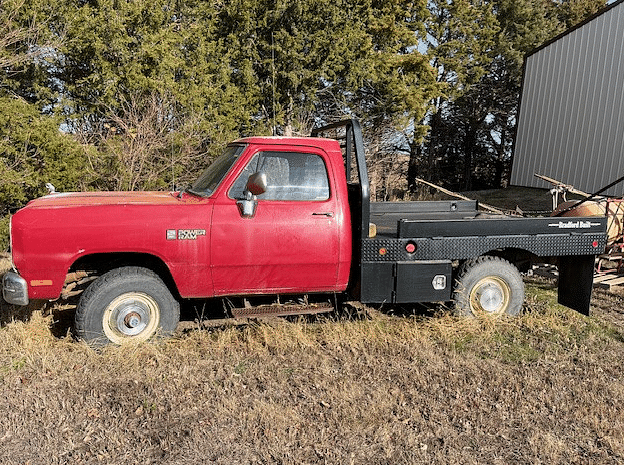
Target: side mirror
<point x="256" y="185"/>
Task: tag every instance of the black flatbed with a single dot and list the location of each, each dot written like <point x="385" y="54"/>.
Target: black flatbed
<point x="452" y="219"/>
<point x="417" y="250"/>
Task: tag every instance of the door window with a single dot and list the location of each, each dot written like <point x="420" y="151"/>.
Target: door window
<point x="290" y="176"/>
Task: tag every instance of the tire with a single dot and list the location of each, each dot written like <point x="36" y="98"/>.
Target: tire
<point x="126" y="304"/>
<point x="488" y="286"/>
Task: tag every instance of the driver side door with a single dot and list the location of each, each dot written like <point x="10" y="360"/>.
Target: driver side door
<point x="292" y="242"/>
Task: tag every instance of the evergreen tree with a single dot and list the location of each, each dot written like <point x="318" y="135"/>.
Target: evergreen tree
<point x="34" y="152"/>
<point x="119" y="50"/>
<point x="459" y="40"/>
<point x="327" y="58"/>
<point x="402" y="81"/>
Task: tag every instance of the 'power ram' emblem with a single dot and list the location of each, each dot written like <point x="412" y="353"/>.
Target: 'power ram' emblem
<point x="184" y="234"/>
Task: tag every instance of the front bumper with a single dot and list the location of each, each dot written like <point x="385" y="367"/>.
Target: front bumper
<point x="14" y="289"/>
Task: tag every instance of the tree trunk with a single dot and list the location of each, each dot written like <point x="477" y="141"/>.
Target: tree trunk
<point x="412" y="167"/>
<point x="469" y="150"/>
<point x="500" y="160"/>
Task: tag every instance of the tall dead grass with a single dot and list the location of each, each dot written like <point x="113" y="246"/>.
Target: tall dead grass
<point x="543" y="388"/>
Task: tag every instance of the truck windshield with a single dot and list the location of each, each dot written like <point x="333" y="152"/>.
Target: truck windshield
<point x="214" y="174"/>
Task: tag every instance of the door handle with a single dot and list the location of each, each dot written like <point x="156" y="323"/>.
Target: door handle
<point x="327" y="214"/>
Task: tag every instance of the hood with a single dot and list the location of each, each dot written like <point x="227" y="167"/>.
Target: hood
<point x="85" y="199"/>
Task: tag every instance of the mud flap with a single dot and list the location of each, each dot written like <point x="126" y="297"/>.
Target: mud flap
<point x="576" y="280"/>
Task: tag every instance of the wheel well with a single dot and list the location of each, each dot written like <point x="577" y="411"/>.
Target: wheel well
<point x="98" y="264"/>
<point x="520" y="258"/>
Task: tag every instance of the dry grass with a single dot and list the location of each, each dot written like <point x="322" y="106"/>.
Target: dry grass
<point x="544" y="388"/>
<point x="5" y="263"/>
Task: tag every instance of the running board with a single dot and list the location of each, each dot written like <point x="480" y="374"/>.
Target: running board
<point x="281" y="310"/>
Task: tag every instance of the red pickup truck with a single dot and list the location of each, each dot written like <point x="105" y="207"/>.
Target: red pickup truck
<point x="277" y="216"/>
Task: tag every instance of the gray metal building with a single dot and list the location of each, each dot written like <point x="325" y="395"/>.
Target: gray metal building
<point x="571" y="119"/>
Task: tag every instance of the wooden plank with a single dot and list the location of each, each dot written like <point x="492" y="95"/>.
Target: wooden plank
<point x="604" y="277"/>
<point x="556" y="183"/>
<point x="611" y="283"/>
<point x="613" y="256"/>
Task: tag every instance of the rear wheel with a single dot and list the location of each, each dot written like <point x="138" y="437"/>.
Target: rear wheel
<point x="126" y="304"/>
<point x="488" y="286"/>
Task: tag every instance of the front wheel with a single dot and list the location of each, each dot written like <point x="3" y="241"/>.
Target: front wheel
<point x="126" y="304"/>
<point x="488" y="286"/>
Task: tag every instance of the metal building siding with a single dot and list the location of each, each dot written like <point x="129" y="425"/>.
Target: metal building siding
<point x="571" y="120"/>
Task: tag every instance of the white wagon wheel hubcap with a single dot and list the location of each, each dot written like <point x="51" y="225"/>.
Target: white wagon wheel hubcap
<point x="132" y="315"/>
<point x="490" y="295"/>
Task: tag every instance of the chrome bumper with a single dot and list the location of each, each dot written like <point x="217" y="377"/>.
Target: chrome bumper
<point x="14" y="289"/>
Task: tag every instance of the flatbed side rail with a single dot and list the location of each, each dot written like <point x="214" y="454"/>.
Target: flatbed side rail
<point x="497" y="226"/>
<point x="385" y="249"/>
